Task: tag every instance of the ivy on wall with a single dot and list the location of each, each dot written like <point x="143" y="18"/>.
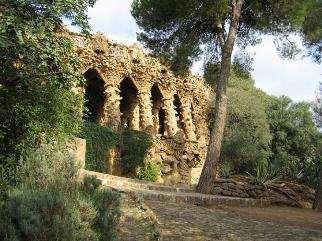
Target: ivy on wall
<point x="99" y="140"/>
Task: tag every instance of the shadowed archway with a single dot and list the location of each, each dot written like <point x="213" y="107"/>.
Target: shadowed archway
<point x="129" y="105"/>
<point x="95" y="96"/>
<point x="157" y="110"/>
<point x="178" y="108"/>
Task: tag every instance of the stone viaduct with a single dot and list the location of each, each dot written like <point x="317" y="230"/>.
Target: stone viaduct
<point x="128" y="88"/>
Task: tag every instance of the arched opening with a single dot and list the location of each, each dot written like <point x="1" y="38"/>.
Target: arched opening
<point x="157" y="110"/>
<point x="178" y="108"/>
<point x="95" y="96"/>
<point x="129" y="105"/>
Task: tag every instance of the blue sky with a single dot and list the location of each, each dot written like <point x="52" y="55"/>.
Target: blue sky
<point x="297" y="79"/>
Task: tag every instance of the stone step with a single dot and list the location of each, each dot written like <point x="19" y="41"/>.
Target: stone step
<point x="195" y="198"/>
<point x="116" y="181"/>
<point x="157" y="192"/>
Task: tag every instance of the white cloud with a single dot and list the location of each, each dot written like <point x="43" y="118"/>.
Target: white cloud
<point x="297" y="79"/>
<point x="113" y="18"/>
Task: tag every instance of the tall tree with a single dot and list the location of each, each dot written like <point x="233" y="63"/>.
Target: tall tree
<point x="180" y="31"/>
<point x="317" y="108"/>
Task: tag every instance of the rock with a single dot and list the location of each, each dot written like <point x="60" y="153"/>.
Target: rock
<point x="166" y="169"/>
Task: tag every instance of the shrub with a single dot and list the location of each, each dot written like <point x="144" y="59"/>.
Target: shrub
<point x="134" y="146"/>
<point x="225" y="170"/>
<point x="50" y="203"/>
<point x="296" y="139"/>
<point x="99" y="140"/>
<point x="264" y="173"/>
<point x="150" y="171"/>
<point x="107" y="203"/>
<point x="46" y="215"/>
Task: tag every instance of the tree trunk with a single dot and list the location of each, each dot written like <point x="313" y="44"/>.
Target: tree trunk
<point x="318" y="196"/>
<point x="209" y="171"/>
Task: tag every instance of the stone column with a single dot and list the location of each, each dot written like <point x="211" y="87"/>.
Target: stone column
<point x="111" y="114"/>
<point x="145" y="109"/>
<point x="188" y="124"/>
<point x="170" y="116"/>
<point x="135" y="116"/>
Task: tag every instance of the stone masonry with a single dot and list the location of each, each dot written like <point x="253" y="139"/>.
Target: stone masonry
<point x="127" y="88"/>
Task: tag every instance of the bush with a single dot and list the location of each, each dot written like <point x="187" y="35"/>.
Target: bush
<point x="149" y="171"/>
<point x="46" y="215"/>
<point x="264" y="173"/>
<point x="134" y="146"/>
<point x="99" y="140"/>
<point x="296" y="139"/>
<point x="50" y="203"/>
<point x="107" y="203"/>
<point x="247" y="136"/>
<point x="225" y="170"/>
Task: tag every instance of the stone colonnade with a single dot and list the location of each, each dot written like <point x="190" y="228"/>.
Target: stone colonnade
<point x="141" y="116"/>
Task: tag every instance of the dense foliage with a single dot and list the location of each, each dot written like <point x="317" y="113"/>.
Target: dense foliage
<point x="295" y="138"/>
<point x="317" y="108"/>
<point x="41" y="198"/>
<point x="268" y="137"/>
<point x="37" y="70"/>
<point x="134" y="146"/>
<point x="247" y="135"/>
<point x="99" y="141"/>
<point x="150" y="171"/>
<point x="50" y="203"/>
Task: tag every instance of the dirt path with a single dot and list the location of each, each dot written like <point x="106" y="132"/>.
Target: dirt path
<point x="193" y="223"/>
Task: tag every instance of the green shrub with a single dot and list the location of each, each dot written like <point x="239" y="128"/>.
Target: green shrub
<point x="134" y="146"/>
<point x="107" y="203"/>
<point x="150" y="171"/>
<point x="225" y="170"/>
<point x="99" y="140"/>
<point x="50" y="203"/>
<point x="46" y="215"/>
<point x="264" y="173"/>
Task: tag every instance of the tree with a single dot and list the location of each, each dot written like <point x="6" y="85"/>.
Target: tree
<point x="38" y="69"/>
<point x="180" y="31"/>
<point x="295" y="139"/>
<point x="312" y="30"/>
<point x="247" y="135"/>
<point x="317" y="108"/>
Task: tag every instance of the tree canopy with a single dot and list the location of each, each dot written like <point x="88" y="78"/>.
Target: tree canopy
<point x="180" y="31"/>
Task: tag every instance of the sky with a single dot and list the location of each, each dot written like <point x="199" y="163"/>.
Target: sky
<point x="297" y="79"/>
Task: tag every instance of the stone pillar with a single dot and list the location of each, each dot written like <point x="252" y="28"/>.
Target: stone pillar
<point x="188" y="124"/>
<point x="135" y="116"/>
<point x="111" y="114"/>
<point x="170" y="116"/>
<point x="145" y="110"/>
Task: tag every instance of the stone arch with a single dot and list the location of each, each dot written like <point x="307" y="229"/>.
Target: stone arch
<point x="178" y="109"/>
<point x="129" y="104"/>
<point x="157" y="110"/>
<point x="95" y="96"/>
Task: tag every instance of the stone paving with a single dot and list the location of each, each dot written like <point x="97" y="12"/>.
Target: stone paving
<point x="137" y="222"/>
<point x="195" y="223"/>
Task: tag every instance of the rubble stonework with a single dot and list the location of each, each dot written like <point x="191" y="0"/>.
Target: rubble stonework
<point x="141" y="93"/>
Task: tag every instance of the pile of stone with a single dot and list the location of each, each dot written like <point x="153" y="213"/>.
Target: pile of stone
<point x="279" y="193"/>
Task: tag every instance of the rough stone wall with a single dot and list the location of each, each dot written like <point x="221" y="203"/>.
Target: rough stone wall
<point x="179" y="139"/>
